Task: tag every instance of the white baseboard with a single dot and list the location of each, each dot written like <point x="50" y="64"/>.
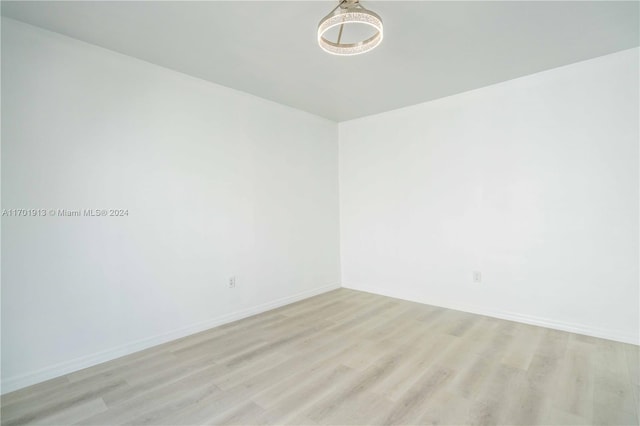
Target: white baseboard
<point x="17" y="382"/>
<point x="526" y="319"/>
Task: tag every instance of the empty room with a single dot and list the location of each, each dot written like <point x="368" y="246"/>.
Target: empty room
<point x="335" y="212"/>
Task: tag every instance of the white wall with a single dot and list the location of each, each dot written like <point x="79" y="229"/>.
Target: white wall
<point x="217" y="183"/>
<point x="533" y="182"/>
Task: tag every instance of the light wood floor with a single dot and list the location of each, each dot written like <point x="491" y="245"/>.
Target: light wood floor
<point x="350" y="358"/>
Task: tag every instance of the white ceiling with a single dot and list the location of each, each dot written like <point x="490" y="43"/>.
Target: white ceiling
<point x="268" y="48"/>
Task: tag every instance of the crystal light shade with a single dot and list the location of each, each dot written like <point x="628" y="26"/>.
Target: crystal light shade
<point x="351" y="13"/>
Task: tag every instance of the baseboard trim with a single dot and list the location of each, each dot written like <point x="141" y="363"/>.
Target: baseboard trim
<point x="522" y="318"/>
<point x="17" y="382"/>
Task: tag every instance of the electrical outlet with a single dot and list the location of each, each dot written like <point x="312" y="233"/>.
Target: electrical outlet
<point x="477" y="277"/>
<point x="232" y="282"/>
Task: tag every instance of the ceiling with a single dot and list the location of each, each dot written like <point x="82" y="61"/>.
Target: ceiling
<point x="268" y="48"/>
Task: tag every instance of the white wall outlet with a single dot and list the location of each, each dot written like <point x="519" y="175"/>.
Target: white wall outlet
<point x="232" y="282"/>
<point x="477" y="277"/>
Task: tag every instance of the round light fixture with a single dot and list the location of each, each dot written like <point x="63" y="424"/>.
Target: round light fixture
<point x="349" y="12"/>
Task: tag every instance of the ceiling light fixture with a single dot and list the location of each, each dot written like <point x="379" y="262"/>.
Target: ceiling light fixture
<point x="349" y="12"/>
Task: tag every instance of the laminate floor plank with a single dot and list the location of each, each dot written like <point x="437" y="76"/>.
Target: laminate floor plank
<point x="415" y="401"/>
<point x="295" y="403"/>
<point x="574" y="392"/>
<point x="523" y="347"/>
<point x="152" y="406"/>
<point x="34" y="391"/>
<point x="24" y="412"/>
<point x="292" y="394"/>
<point x="121" y="366"/>
<point x="74" y="413"/>
<point x="350" y="358"/>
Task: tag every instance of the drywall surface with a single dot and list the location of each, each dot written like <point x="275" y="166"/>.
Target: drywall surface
<point x="533" y="183"/>
<point x="216" y="183"/>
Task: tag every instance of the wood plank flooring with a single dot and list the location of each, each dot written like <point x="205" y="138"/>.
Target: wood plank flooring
<point x="350" y="358"/>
